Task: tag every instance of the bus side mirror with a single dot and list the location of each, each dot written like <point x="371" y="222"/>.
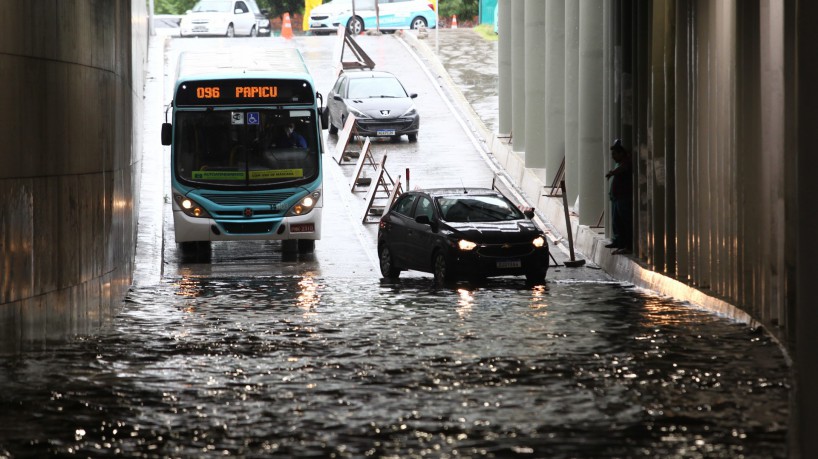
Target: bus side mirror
<point x="167" y="133"/>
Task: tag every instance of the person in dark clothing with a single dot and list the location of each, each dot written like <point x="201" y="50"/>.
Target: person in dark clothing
<point x="621" y="199"/>
<point x="290" y="138"/>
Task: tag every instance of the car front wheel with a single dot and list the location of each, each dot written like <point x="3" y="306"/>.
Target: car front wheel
<point x="388" y="269"/>
<point x="231" y="32"/>
<point x="355" y="25"/>
<point x="418" y="23"/>
<point x="536" y="277"/>
<point x="441" y="268"/>
<point x="254" y="32"/>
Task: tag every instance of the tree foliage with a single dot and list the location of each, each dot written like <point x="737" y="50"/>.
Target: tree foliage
<point x="464" y="9"/>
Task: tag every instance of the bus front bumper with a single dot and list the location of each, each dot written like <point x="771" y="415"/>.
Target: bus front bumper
<point x="190" y="229"/>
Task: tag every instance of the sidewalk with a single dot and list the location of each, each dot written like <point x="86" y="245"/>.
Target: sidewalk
<point x="466" y="65"/>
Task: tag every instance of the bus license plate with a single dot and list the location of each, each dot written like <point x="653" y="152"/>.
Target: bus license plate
<point x="302" y="228"/>
<point x="509" y="264"/>
<point x="386" y="132"/>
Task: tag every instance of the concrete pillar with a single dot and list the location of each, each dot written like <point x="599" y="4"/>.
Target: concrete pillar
<point x="554" y="87"/>
<point x="535" y="138"/>
<point x="592" y="150"/>
<point x="504" y="66"/>
<point x="806" y="347"/>
<point x="571" y="99"/>
<point x="518" y="76"/>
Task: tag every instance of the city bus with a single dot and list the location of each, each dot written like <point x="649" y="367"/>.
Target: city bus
<point x="245" y="150"/>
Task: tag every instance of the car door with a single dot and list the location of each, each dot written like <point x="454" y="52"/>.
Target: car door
<point x="420" y="237"/>
<point x="243" y="18"/>
<point x="399" y="220"/>
<point x="337" y="109"/>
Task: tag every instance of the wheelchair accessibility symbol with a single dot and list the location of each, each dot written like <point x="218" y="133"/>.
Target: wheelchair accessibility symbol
<point x="252" y="118"/>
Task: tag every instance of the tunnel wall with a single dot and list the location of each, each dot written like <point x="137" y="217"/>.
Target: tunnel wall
<point x="72" y="74"/>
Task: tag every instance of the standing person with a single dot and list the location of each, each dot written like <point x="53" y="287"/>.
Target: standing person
<point x="621" y="199"/>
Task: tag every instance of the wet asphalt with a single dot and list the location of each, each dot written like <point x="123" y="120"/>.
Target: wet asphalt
<point x="252" y="353"/>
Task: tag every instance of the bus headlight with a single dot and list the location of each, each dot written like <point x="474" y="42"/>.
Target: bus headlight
<point x="190" y="207"/>
<point x="538" y="242"/>
<point x="305" y="205"/>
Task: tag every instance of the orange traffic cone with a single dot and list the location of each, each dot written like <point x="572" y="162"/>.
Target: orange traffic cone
<point x="287" y="27"/>
<point x="454" y="21"/>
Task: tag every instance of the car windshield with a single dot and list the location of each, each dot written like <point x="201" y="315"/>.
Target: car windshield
<point x="216" y="6"/>
<point x="365" y="88"/>
<point x="472" y="208"/>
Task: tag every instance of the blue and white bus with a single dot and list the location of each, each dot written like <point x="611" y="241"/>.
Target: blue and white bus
<point x="246" y="147"/>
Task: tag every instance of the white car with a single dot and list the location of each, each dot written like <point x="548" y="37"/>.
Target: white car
<point x="392" y="15"/>
<point x="225" y="18"/>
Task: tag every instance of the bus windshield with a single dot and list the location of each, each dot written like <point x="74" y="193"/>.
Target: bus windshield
<point x="245" y="149"/>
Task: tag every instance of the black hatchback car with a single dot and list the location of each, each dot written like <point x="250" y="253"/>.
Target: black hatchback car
<point x="458" y="233"/>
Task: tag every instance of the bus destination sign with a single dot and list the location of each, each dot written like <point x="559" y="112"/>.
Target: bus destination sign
<point x="243" y="92"/>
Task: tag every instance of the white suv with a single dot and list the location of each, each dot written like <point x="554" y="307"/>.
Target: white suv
<point x="225" y="18"/>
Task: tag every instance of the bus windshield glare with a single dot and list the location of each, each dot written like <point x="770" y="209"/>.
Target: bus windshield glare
<point x="245" y="149"/>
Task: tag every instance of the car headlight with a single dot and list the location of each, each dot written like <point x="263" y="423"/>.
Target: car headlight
<point x="305" y="205"/>
<point x="357" y="113"/>
<point x="465" y="245"/>
<point x="410" y="112"/>
<point x="190" y="207"/>
<point x="538" y="242"/>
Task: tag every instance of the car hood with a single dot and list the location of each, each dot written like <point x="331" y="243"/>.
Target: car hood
<point x="381" y="107"/>
<point x="331" y="9"/>
<point x="495" y="232"/>
<point x="205" y="15"/>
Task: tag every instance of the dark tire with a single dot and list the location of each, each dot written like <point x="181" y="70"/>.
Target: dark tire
<point x="355" y="25"/>
<point x="195" y="250"/>
<point x="306" y="246"/>
<point x="418" y="23"/>
<point x="441" y="268"/>
<point x="412" y="137"/>
<point x="535" y="277"/>
<point x="231" y="32"/>
<point x="254" y="32"/>
<point x="289" y="246"/>
<point x="332" y="129"/>
<point x="387" y="264"/>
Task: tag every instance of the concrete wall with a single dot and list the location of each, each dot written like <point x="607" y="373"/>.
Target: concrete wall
<point x="70" y="86"/>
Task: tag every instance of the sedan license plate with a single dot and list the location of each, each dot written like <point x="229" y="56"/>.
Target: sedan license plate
<point x="386" y="132"/>
<point x="509" y="264"/>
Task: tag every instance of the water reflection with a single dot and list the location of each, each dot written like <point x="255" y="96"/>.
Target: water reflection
<point x="295" y="366"/>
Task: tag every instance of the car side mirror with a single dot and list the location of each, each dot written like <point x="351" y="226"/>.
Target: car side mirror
<point x="413" y="95"/>
<point x="167" y="133"/>
<point x="529" y="213"/>
<point x="337" y="97"/>
<point x="423" y="220"/>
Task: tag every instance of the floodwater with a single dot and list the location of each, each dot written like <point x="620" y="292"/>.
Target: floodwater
<point x="302" y="366"/>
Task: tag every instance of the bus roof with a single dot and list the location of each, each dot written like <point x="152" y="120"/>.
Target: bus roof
<point x="255" y="63"/>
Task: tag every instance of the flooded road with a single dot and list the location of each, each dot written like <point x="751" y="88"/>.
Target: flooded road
<point x="302" y="366"/>
<point x="252" y="353"/>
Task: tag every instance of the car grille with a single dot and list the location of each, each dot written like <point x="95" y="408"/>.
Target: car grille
<point x="396" y="124"/>
<point x="505" y="250"/>
<point x="253" y="199"/>
<point x="318" y="18"/>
